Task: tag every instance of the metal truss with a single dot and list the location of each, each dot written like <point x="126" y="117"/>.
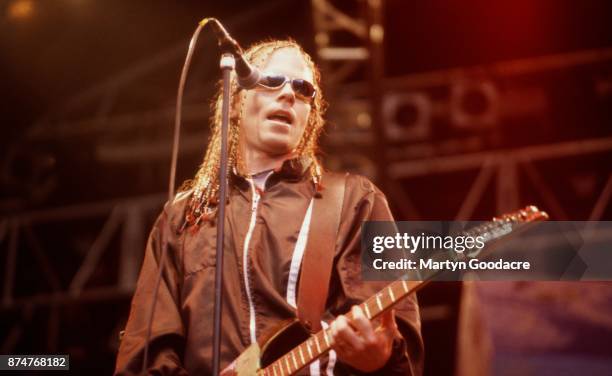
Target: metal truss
<point x="504" y="166"/>
<point x="508" y="68"/>
<point x="340" y="57"/>
<point x="123" y="218"/>
<point x="338" y="61"/>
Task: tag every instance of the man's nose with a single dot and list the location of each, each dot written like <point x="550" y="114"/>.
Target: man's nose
<point x="286" y="92"/>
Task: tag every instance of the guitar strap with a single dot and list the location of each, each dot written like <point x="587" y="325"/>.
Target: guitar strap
<point x="320" y="249"/>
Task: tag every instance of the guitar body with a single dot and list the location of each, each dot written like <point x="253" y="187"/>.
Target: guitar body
<point x="270" y="348"/>
<point x="291" y="347"/>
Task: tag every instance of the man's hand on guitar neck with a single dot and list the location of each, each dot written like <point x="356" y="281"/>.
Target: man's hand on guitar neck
<point x="360" y="345"/>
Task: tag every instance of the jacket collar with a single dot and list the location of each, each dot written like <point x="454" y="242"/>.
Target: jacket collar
<point x="292" y="170"/>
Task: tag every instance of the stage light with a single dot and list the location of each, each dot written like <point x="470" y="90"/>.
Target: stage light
<point x="364" y="120"/>
<point x="474" y="104"/>
<point x="407" y="116"/>
<point x="20" y="9"/>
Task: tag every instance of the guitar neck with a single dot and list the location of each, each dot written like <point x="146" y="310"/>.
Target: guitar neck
<point x="320" y="343"/>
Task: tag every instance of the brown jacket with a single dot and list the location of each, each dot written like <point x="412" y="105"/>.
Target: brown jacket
<point x="266" y="229"/>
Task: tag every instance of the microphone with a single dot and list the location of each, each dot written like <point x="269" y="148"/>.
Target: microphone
<point x="247" y="75"/>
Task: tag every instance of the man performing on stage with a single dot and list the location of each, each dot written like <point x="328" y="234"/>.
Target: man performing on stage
<point x="274" y="175"/>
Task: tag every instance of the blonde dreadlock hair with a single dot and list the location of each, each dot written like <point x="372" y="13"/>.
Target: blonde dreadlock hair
<point x="205" y="185"/>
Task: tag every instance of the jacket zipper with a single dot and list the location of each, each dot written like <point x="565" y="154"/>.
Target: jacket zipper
<point x="245" y="260"/>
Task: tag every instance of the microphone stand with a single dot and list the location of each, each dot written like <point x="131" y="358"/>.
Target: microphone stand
<point x="227" y="65"/>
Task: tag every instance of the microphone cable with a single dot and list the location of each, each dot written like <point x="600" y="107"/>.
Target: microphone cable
<point x="171" y="183"/>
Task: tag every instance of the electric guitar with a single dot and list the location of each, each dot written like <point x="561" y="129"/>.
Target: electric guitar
<point x="269" y="357"/>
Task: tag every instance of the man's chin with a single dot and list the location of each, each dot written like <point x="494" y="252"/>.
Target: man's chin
<point x="277" y="145"/>
<point x="279" y="152"/>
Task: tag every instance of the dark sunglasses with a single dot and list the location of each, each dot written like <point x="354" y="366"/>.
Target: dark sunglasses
<point x="301" y="87"/>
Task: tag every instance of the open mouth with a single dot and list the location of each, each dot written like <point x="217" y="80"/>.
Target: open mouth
<point x="280" y="117"/>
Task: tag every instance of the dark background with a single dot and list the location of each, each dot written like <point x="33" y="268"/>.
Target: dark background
<point x="85" y="85"/>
